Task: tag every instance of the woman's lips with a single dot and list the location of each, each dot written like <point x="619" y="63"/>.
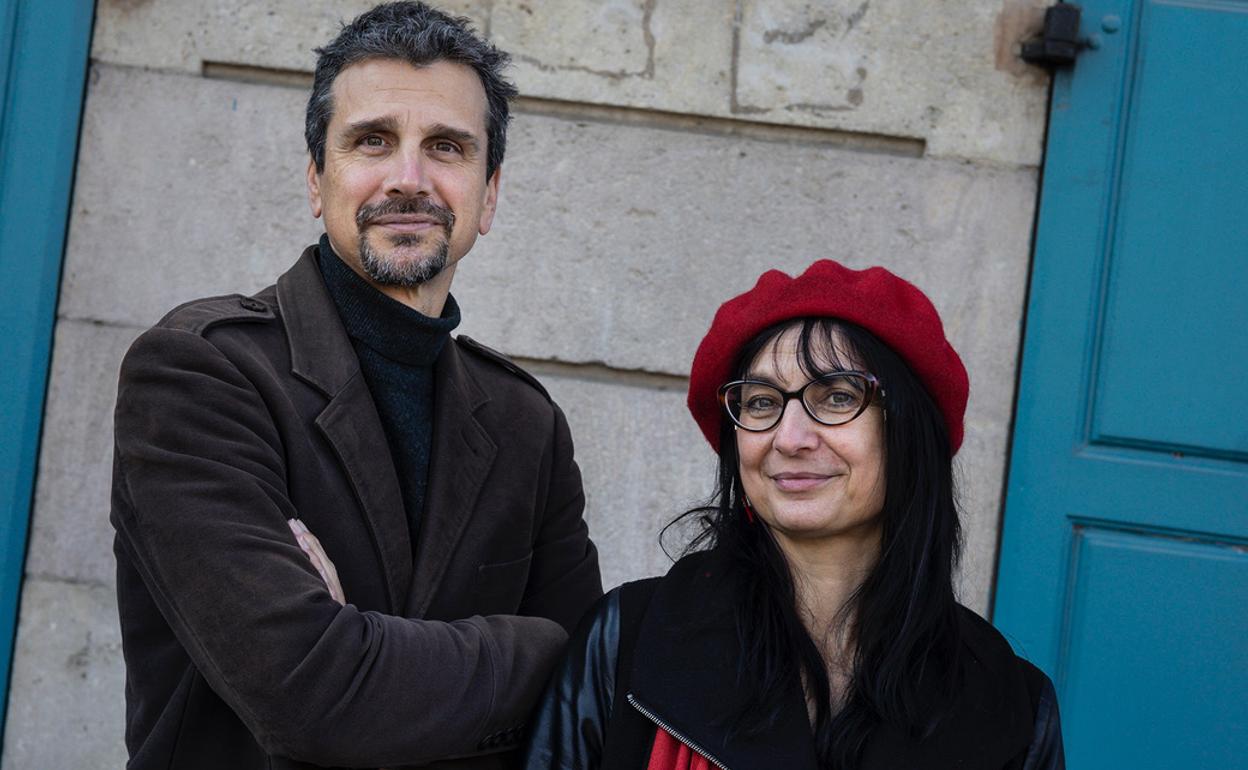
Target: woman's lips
<point x="799" y="482"/>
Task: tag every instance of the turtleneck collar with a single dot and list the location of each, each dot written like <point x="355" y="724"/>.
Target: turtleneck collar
<point x="385" y="325"/>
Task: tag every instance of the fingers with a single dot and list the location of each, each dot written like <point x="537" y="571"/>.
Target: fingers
<point x="320" y="560"/>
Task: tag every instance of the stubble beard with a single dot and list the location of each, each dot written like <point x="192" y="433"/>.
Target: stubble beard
<point x="400" y="270"/>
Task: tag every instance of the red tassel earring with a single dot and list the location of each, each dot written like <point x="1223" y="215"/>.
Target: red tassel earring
<point x="749" y="512"/>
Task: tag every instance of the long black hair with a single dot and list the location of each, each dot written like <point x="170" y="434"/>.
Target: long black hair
<point x="902" y="620"/>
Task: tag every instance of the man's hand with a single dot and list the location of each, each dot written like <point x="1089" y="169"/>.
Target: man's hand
<point x="312" y="547"/>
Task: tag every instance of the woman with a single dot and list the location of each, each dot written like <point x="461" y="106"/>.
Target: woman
<point x="812" y="624"/>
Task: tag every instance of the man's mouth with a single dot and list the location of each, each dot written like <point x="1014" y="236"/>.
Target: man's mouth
<point x="407" y="223"/>
<point x="406" y="215"/>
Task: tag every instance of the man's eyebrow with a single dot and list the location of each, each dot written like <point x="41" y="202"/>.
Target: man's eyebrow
<point x="458" y="135"/>
<point x="386" y="123"/>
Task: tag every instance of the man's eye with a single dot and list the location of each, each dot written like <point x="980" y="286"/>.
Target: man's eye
<point x="449" y="147"/>
<point x="372" y="140"/>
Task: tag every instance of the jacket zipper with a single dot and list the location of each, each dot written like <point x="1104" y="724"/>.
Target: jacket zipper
<point x="668" y="728"/>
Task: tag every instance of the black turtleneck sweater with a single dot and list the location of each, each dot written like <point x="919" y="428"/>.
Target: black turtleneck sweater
<point x="397" y="347"/>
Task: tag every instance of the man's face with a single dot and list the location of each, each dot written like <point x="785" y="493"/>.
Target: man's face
<point x="403" y="190"/>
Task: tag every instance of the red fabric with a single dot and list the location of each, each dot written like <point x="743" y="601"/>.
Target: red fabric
<point x="892" y="309"/>
<point x="670" y="754"/>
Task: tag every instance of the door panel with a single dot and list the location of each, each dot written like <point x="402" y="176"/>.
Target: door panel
<point x="1147" y="616"/>
<point x="1124" y="559"/>
<point x="1181" y="203"/>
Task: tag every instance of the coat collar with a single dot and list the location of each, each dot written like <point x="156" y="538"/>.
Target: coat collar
<point x="684" y="673"/>
<point x="684" y="669"/>
<point x="463" y="451"/>
<point x="320" y="351"/>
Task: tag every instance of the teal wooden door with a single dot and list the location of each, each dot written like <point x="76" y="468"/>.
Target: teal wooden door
<point x="1124" y="561"/>
<point x="43" y="64"/>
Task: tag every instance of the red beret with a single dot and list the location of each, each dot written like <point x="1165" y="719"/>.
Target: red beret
<point x="894" y="310"/>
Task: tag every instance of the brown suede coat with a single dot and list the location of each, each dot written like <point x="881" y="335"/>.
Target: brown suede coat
<point x="235" y="414"/>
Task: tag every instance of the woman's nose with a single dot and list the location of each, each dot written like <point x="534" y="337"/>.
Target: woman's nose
<point x="796" y="430"/>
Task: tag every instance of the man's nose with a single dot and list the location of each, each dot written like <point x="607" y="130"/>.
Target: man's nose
<point x="796" y="430"/>
<point x="408" y="173"/>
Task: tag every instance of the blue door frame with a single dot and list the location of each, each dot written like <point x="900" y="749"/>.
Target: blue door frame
<point x="44" y="46"/>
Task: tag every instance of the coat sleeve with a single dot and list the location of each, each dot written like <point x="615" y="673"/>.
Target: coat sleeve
<point x="565" y="580"/>
<point x="568" y="728"/>
<point x="1046" y="751"/>
<point x="201" y="506"/>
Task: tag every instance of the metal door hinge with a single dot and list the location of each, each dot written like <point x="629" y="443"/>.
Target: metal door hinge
<point x="1059" y="43"/>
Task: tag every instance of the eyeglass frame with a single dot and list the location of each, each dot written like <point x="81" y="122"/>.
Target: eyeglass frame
<point x="875" y="394"/>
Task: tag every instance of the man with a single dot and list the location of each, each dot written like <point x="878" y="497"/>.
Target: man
<point x="437" y="477"/>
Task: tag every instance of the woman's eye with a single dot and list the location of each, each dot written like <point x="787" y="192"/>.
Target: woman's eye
<point x="760" y="403"/>
<point x="839" y="399"/>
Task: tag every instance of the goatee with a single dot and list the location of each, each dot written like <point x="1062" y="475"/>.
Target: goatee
<point x="404" y="273"/>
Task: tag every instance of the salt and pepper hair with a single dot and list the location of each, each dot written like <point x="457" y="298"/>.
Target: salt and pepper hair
<point x="419" y="35"/>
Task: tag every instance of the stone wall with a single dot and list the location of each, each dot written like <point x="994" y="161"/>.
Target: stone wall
<point x="663" y="155"/>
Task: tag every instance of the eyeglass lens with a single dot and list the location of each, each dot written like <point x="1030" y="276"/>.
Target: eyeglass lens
<point x="832" y="400"/>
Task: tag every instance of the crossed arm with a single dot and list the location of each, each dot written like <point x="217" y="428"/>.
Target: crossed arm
<point x="201" y="510"/>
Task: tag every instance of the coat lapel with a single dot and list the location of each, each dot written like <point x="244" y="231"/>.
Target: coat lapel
<point x="463" y="453"/>
<point x="683" y="672"/>
<point x="321" y="355"/>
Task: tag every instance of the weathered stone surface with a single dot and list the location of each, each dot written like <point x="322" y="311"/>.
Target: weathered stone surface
<point x="71" y="537"/>
<point x="653" y="54"/>
<point x="925" y="70"/>
<point x="67" y="695"/>
<point x="613" y="226"/>
<point x="613" y="244"/>
<point x="185" y="187"/>
<point x="182" y="34"/>
<point x="941" y="72"/>
<point x="644" y="463"/>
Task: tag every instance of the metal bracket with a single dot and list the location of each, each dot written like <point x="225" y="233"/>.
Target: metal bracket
<point x="1059" y="43"/>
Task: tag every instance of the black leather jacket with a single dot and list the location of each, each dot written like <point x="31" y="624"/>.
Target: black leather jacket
<point x="659" y="652"/>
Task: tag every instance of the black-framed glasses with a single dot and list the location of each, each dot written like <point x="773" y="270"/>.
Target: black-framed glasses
<point x="831" y="399"/>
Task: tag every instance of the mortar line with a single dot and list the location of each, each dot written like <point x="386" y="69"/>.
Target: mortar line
<point x="597" y="371"/>
<point x="589" y="371"/>
<point x="644" y="117"/>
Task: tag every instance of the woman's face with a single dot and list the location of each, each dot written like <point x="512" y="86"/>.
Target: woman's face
<point x="808" y="481"/>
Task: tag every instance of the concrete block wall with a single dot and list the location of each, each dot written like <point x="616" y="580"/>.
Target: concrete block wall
<point x="663" y="155"/>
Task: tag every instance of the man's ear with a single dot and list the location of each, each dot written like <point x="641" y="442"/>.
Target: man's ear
<point x="491" y="201"/>
<point x="314" y="188"/>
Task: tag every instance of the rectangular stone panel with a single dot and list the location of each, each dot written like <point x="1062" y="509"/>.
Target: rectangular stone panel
<point x="67" y="693"/>
<point x="945" y="73"/>
<point x="935" y="71"/>
<point x="651" y="54"/>
<point x="71" y="537"/>
<point x="644" y="464"/>
<point x="183" y="34"/>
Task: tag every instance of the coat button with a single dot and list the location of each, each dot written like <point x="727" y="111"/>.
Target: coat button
<point x="254" y="305"/>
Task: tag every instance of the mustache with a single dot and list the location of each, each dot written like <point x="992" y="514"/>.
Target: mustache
<point x="418" y="205"/>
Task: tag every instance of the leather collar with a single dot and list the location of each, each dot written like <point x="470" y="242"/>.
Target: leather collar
<point x="684" y="669"/>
